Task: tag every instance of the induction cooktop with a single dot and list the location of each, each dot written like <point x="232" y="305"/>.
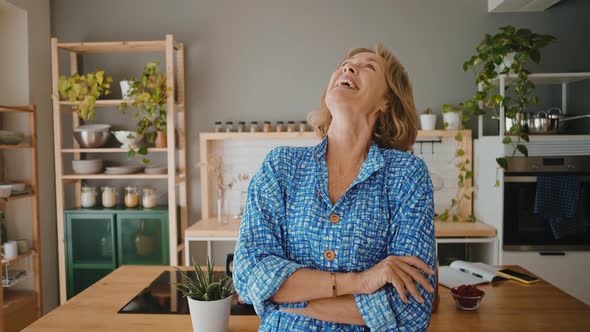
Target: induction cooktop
<point x="162" y="297"/>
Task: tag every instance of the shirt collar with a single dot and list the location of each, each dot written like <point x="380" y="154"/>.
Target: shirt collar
<point x="372" y="164"/>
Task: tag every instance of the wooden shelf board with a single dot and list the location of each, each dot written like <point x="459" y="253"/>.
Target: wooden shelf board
<point x="103" y="103"/>
<point x="18" y="258"/>
<point x="210" y="228"/>
<point x="27" y="108"/>
<point x="115" y="47"/>
<point x="113" y="176"/>
<point x="107" y="150"/>
<point x="304" y="135"/>
<point x="13" y="300"/>
<point x="16" y="146"/>
<point x="15" y="197"/>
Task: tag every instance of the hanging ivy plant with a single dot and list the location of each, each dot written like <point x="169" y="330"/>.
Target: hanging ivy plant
<point x="85" y="89"/>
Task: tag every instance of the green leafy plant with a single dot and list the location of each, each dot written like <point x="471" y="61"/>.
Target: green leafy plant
<point x="203" y="287"/>
<point x="149" y="94"/>
<point x="86" y="89"/>
<point x="427" y="111"/>
<point x="491" y="54"/>
<point x="464" y="176"/>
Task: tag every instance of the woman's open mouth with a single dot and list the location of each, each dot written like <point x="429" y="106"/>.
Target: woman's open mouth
<point x="346" y="83"/>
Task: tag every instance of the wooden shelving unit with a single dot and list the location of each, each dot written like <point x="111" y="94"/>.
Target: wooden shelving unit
<point x="19" y="308"/>
<point x="175" y="151"/>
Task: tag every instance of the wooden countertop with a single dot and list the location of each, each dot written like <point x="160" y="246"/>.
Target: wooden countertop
<point x="507" y="306"/>
<point x="210" y="228"/>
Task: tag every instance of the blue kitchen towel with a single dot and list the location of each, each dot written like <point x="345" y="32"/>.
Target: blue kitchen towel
<point x="556" y="201"/>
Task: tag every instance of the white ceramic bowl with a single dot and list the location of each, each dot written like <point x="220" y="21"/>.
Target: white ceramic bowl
<point x="16" y="187"/>
<point x="5" y="190"/>
<point x="128" y="139"/>
<point x="11" y="137"/>
<point x="92" y="166"/>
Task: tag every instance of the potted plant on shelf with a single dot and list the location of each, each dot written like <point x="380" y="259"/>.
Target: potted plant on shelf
<point x="149" y="94"/>
<point x="428" y="120"/>
<point x="209" y="300"/>
<point x="505" y="53"/>
<point x="85" y="89"/>
<point x="452" y="117"/>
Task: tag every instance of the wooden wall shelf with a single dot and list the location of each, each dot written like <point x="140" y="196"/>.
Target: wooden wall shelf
<point x="175" y="152"/>
<point x="20" y="308"/>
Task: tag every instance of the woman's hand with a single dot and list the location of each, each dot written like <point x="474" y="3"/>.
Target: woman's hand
<point x="401" y="272"/>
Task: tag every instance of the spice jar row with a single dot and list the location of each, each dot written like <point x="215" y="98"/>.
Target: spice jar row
<point x="110" y="195"/>
<point x="266" y="127"/>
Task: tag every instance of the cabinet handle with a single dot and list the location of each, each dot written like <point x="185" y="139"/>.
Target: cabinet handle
<point x="552" y="253"/>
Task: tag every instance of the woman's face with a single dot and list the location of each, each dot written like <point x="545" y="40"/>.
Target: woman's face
<point x="359" y="85"/>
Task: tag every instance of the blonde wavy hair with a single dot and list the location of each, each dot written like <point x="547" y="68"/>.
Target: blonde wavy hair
<point x="397" y="127"/>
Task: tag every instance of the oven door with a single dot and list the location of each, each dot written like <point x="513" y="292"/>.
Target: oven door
<point x="525" y="230"/>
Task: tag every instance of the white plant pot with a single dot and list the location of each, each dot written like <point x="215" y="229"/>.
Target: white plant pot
<point x="506" y="62"/>
<point x="428" y="121"/>
<point x="210" y="316"/>
<point x="452" y="119"/>
<point x="125" y="87"/>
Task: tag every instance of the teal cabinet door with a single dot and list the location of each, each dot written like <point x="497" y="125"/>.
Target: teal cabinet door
<point x="142" y="237"/>
<point x="90" y="248"/>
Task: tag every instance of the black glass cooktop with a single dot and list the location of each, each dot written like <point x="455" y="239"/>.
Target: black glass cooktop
<point x="162" y="297"/>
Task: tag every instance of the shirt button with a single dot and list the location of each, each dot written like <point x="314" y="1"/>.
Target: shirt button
<point x="329" y="254"/>
<point x="334" y="218"/>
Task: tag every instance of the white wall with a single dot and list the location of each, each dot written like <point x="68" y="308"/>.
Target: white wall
<point x="29" y="81"/>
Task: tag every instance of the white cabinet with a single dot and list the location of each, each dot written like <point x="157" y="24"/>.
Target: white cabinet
<point x="568" y="272"/>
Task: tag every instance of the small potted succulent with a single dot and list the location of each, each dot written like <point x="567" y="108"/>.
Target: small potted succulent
<point x="149" y="94"/>
<point x="209" y="299"/>
<point x="428" y="120"/>
<point x="85" y="89"/>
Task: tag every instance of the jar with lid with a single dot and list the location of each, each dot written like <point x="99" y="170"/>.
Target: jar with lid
<point x="280" y="126"/>
<point x="290" y="126"/>
<point x="253" y="126"/>
<point x="149" y="199"/>
<point x="218" y="127"/>
<point x="109" y="196"/>
<point x="267" y="128"/>
<point x="229" y="126"/>
<point x="302" y="126"/>
<point x="131" y="196"/>
<point x="241" y="127"/>
<point x="88" y="197"/>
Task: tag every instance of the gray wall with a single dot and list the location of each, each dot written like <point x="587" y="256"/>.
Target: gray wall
<point x="271" y="59"/>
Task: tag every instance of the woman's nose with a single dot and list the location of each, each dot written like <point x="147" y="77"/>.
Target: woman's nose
<point x="349" y="68"/>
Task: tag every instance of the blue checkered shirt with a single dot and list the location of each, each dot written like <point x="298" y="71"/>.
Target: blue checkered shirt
<point x="387" y="210"/>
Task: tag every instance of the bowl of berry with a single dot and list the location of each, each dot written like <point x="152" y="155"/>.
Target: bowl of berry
<point x="467" y="297"/>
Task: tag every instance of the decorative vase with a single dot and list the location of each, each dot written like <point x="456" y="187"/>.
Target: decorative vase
<point x="161" y="139"/>
<point x="452" y="120"/>
<point x="428" y="121"/>
<point x="144" y="244"/>
<point x="210" y="316"/>
<point x="221" y="207"/>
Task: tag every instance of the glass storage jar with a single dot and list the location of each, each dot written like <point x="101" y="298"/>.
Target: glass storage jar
<point x="280" y="126"/>
<point x="109" y="196"/>
<point x="131" y="196"/>
<point x="253" y="126"/>
<point x="291" y="126"/>
<point x="149" y="199"/>
<point x="88" y="197"/>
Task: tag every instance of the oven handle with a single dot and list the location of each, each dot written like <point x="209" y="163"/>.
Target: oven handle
<point x="532" y="179"/>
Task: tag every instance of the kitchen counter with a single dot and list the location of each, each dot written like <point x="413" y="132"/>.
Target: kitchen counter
<point x="507" y="306"/>
<point x="211" y="229"/>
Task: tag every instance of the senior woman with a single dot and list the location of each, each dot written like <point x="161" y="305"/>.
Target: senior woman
<point x="335" y="236"/>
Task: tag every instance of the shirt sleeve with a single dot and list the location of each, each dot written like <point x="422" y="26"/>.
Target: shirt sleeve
<point x="411" y="234"/>
<point x="260" y="263"/>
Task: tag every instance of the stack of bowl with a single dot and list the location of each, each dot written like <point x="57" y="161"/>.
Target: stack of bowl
<point x="91" y="166"/>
